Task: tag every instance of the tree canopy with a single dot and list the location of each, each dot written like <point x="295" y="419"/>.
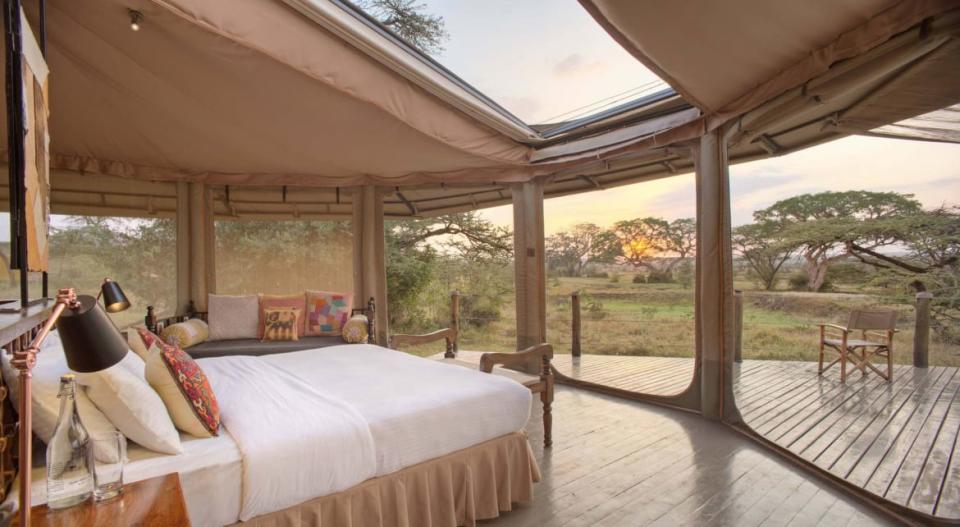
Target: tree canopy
<point x="409" y="20"/>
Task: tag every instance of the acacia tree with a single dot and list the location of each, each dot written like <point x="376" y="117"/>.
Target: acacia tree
<point x="656" y="244"/>
<point x="762" y="251"/>
<point x="583" y="244"/>
<point x="825" y="227"/>
<point x="410" y="21"/>
<point x="931" y="262"/>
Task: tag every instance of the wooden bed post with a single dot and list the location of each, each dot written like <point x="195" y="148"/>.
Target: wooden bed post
<point x="369" y="258"/>
<point x="715" y="303"/>
<point x="529" y="280"/>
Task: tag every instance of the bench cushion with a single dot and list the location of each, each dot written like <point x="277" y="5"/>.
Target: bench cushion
<point x="222" y="348"/>
<point x="520" y="377"/>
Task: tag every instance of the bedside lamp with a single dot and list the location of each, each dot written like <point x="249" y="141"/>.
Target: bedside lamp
<point x="90" y="343"/>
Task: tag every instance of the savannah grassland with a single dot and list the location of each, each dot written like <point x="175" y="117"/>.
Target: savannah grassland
<point x="620" y="317"/>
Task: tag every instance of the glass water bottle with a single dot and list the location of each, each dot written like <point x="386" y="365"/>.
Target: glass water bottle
<point x="69" y="453"/>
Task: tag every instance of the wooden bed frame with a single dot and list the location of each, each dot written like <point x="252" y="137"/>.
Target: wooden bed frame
<point x="156" y="325"/>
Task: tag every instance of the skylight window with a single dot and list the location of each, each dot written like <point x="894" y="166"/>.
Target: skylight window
<point x="542" y="60"/>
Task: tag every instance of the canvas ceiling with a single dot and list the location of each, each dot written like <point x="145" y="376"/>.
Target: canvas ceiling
<point x="282" y="105"/>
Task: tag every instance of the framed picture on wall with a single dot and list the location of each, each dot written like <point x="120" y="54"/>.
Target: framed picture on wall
<point x="36" y="148"/>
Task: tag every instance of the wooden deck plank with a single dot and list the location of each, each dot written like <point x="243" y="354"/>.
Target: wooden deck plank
<point x="900" y="439"/>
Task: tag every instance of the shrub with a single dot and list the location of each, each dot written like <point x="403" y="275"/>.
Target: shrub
<point x="798" y="281"/>
<point x="614" y="278"/>
<point x="660" y="277"/>
<point x="639" y="279"/>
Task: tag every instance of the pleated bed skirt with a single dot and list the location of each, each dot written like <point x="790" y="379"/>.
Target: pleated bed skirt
<point x="473" y="484"/>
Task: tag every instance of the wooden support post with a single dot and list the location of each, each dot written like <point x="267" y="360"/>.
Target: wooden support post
<point x="714" y="302"/>
<point x="454" y="323"/>
<point x="202" y="245"/>
<point x="529" y="275"/>
<point x="921" y="333"/>
<point x="738" y="325"/>
<point x="369" y="258"/>
<point x="575" y="324"/>
<point x="183" y="247"/>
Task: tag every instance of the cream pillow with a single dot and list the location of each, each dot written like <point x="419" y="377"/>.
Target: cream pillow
<point x="185" y="334"/>
<point x="123" y="395"/>
<point x="51" y="364"/>
<point x="233" y="317"/>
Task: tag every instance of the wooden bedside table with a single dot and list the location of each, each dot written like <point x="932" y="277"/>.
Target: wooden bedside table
<point x="151" y="502"/>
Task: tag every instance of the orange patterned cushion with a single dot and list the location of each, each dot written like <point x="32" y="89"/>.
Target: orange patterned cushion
<point x="280" y="323"/>
<point x="294" y="301"/>
<point x="182" y="386"/>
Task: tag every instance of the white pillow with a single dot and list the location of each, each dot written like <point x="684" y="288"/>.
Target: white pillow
<point x="51" y="364"/>
<point x="123" y="395"/>
<point x="233" y="317"/>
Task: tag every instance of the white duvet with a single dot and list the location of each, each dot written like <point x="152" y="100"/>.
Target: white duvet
<point x="297" y="443"/>
<point x="315" y="422"/>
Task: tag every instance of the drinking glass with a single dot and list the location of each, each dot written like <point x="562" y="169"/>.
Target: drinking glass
<point x="108" y="477"/>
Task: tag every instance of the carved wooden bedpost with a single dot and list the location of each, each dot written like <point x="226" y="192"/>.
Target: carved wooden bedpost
<point x="453" y="348"/>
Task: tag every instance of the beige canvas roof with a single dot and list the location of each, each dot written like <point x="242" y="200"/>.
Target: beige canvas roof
<point x="280" y="105"/>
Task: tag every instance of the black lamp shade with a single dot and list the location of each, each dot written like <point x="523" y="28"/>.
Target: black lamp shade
<point x="90" y="340"/>
<point x="114" y="300"/>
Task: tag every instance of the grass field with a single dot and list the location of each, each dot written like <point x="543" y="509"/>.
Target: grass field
<point x="623" y="318"/>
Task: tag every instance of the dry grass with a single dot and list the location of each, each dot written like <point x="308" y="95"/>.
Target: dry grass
<point x="623" y="318"/>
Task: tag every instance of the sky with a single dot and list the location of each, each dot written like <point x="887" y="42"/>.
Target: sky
<point x="541" y="58"/>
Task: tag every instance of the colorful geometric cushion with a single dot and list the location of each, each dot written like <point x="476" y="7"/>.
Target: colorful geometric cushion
<point x="182" y="386"/>
<point x="296" y="301"/>
<point x="327" y="312"/>
<point x="280" y="323"/>
<point x="355" y="330"/>
<point x="187" y="333"/>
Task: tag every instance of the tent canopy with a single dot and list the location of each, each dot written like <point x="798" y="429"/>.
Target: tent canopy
<point x="279" y="104"/>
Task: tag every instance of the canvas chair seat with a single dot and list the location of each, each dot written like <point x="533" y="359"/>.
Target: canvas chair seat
<point x="852" y="343"/>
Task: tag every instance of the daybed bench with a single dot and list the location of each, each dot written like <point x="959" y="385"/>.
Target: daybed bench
<point x="256" y="347"/>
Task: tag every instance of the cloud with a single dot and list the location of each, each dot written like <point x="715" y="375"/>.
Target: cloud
<point x="574" y="65"/>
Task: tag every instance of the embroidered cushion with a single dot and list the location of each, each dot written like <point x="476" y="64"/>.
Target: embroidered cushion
<point x="233" y="317"/>
<point x="280" y="323"/>
<point x="182" y="386"/>
<point x="187" y="333"/>
<point x="326" y="312"/>
<point x="291" y="301"/>
<point x="355" y="330"/>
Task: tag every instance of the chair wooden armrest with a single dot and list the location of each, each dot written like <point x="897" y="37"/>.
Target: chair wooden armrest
<point x="448" y="334"/>
<point x="538" y="358"/>
<point x="833" y="326"/>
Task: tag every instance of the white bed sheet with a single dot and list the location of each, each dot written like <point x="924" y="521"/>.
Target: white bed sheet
<point x="417" y="409"/>
<point x="210" y="475"/>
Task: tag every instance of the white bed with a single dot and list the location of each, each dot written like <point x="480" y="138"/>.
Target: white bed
<point x="414" y="410"/>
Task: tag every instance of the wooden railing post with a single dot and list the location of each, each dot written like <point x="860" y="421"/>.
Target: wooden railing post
<point x="738" y="325"/>
<point x="575" y="323"/>
<point x="454" y="323"/>
<point x="921" y="333"/>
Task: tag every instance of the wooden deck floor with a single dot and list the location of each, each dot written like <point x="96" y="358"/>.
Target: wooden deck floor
<point x="621" y="463"/>
<point x="899" y="440"/>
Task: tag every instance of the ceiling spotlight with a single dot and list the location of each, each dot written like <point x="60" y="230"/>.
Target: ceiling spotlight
<point x="136" y="18"/>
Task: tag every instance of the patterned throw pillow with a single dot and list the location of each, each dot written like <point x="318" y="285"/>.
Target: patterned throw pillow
<point x="187" y="333"/>
<point x="182" y="386"/>
<point x="272" y="301"/>
<point x="280" y="323"/>
<point x="355" y="330"/>
<point x="327" y="312"/>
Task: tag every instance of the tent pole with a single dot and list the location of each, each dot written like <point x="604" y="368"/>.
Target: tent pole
<point x="715" y="313"/>
<point x="369" y="256"/>
<point x="528" y="261"/>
